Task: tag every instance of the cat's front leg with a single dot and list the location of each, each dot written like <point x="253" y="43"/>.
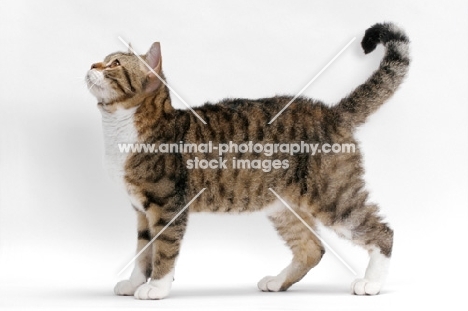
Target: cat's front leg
<point x="142" y="270"/>
<point x="165" y="248"/>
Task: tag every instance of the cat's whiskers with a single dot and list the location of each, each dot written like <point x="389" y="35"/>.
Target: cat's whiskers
<point x="87" y="81"/>
<point x="91" y="87"/>
<point x="84" y="80"/>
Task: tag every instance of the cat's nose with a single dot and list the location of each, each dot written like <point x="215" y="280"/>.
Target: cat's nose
<point x="97" y="66"/>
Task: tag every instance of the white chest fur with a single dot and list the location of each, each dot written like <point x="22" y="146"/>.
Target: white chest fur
<point x="119" y="130"/>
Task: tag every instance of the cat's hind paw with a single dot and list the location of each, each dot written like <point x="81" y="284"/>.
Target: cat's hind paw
<point x="270" y="284"/>
<point x="125" y="288"/>
<point x="365" y="287"/>
<point x="152" y="290"/>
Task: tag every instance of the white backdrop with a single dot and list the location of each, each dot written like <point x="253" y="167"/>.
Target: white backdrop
<point x="64" y="230"/>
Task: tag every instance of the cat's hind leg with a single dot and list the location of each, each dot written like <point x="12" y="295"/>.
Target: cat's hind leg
<point x="306" y="248"/>
<point x="142" y="270"/>
<point x="363" y="226"/>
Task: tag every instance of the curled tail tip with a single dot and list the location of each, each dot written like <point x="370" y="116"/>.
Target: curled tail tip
<point x="382" y="33"/>
<point x="372" y="38"/>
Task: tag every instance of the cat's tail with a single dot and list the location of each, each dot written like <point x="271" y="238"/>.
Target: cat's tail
<point x="368" y="97"/>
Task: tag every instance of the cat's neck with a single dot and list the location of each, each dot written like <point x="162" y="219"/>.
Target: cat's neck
<point x="118" y="128"/>
<point x="158" y="102"/>
<point x="131" y="123"/>
<point x="134" y="117"/>
<point x="153" y="110"/>
<point x="118" y="131"/>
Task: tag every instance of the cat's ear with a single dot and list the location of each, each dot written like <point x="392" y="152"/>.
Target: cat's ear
<point x="153" y="57"/>
<point x="130" y="48"/>
<point x="154" y="60"/>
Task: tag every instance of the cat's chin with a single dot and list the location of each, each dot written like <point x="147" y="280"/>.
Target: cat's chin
<point x="104" y="97"/>
<point x="98" y="93"/>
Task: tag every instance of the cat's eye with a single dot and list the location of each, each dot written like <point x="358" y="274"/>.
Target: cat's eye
<point x="115" y="63"/>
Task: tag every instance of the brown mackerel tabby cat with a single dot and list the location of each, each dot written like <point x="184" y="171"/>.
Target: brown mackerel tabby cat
<point x="325" y="187"/>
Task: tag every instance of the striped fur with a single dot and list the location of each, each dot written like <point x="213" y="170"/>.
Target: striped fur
<point x="326" y="188"/>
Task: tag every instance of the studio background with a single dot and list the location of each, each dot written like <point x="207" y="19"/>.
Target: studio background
<point x="65" y="230"/>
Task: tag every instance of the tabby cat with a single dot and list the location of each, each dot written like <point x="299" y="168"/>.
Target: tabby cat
<point x="325" y="188"/>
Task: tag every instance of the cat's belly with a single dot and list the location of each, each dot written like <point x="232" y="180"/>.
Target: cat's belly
<point x="270" y="208"/>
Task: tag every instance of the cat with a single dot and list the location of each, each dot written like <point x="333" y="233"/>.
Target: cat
<point x="326" y="188"/>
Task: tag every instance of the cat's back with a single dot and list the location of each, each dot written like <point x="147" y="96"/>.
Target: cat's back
<point x="274" y="119"/>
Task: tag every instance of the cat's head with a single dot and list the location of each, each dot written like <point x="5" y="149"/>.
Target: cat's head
<point x="122" y="76"/>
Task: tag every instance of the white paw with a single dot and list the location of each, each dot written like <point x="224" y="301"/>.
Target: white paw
<point x="125" y="288"/>
<point x="365" y="287"/>
<point x="270" y="284"/>
<point x="153" y="290"/>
